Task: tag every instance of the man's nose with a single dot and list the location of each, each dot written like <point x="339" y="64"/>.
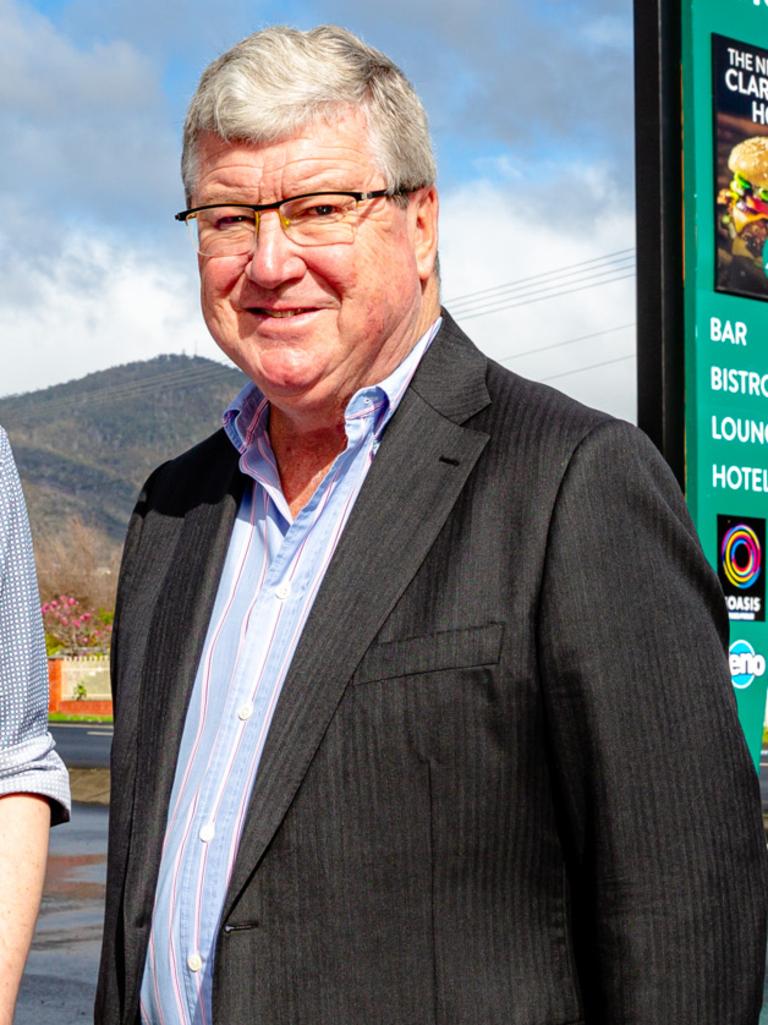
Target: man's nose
<point x="274" y="258"/>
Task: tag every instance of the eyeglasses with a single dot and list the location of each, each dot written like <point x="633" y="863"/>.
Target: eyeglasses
<point x="314" y="219"/>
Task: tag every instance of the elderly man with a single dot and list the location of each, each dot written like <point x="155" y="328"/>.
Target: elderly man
<point x="422" y="708"/>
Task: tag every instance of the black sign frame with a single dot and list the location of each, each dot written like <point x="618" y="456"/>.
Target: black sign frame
<point x="659" y="233"/>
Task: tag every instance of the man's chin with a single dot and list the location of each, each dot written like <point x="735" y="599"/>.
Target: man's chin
<point x="285" y="385"/>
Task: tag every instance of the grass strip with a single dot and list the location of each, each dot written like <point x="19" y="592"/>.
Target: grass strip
<point x="66" y="717"/>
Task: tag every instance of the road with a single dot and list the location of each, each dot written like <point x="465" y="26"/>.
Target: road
<point x="60" y="980"/>
<point x="83" y="745"/>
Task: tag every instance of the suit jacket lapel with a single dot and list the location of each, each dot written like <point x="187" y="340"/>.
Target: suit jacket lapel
<point x="176" y="637"/>
<point x="422" y="465"/>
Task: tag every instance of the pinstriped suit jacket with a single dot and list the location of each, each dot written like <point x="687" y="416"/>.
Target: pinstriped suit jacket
<point x="516" y="793"/>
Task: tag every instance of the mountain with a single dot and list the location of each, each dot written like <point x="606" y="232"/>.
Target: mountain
<point x="85" y="447"/>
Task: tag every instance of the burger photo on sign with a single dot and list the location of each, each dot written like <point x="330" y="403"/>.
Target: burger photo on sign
<point x="743" y="219"/>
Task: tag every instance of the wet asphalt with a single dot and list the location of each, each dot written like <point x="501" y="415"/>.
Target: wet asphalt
<point x="60" y="979"/>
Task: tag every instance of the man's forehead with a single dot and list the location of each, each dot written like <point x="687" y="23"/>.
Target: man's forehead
<point x="317" y="150"/>
<point x="309" y="142"/>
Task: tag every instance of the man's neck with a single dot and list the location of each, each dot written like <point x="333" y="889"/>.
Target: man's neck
<point x="303" y="456"/>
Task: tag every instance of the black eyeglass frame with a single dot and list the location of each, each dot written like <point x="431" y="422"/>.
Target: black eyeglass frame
<point x="256" y="208"/>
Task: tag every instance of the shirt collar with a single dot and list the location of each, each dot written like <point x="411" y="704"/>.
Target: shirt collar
<point x="246" y="418"/>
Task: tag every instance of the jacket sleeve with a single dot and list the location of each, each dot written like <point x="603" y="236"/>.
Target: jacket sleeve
<point x="659" y="798"/>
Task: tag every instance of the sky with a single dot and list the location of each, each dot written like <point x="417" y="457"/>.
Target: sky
<point x="530" y="107"/>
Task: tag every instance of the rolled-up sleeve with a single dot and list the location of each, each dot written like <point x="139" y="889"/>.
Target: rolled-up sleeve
<point x="28" y="762"/>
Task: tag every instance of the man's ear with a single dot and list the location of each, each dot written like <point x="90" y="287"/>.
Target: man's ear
<point x="424" y="212"/>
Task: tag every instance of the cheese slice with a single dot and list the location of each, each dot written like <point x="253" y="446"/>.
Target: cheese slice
<point x="741" y="218"/>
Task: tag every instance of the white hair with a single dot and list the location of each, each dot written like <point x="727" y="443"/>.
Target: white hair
<point x="276" y="81"/>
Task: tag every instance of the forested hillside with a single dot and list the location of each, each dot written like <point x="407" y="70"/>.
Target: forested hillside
<point x="83" y="448"/>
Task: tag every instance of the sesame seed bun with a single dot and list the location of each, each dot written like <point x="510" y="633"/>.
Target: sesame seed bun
<point x="750" y="160"/>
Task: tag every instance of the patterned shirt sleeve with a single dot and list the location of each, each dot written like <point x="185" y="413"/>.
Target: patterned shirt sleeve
<point x="28" y="762"/>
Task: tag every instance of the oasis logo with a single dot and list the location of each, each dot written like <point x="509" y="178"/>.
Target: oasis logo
<point x="740" y="547"/>
<point x="745" y="664"/>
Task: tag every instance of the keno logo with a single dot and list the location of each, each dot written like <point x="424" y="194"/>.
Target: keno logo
<point x="745" y="663"/>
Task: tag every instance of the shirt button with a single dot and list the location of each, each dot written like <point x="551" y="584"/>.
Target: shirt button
<point x="245" y="711"/>
<point x="194" y="962"/>
<point x="206" y="834"/>
<point x="283" y="590"/>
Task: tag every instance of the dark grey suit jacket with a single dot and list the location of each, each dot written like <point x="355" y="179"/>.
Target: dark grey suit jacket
<point x="505" y="783"/>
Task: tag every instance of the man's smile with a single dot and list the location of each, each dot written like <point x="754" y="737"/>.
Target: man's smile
<point x="262" y="311"/>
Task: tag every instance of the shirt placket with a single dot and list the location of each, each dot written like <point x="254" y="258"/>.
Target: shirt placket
<point x="207" y="844"/>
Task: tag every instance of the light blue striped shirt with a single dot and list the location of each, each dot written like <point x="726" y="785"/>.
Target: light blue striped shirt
<point x="273" y="570"/>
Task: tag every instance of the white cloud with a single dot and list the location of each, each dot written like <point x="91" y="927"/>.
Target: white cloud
<point x="95" y="306"/>
<point x="491" y="236"/>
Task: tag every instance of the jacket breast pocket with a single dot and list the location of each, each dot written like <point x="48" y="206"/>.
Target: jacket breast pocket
<point x="447" y="649"/>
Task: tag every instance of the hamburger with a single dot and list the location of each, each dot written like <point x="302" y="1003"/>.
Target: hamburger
<point x="744" y="204"/>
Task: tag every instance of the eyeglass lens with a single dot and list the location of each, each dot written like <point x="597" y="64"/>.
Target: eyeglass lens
<point x="315" y="220"/>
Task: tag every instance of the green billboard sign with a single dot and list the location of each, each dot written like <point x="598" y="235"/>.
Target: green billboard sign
<point x="725" y="268"/>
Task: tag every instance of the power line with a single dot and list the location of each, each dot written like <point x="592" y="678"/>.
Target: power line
<point x="594" y="366"/>
<point x="541" y="298"/>
<point x="199" y="375"/>
<point x="182" y="377"/>
<point x="576" y="277"/>
<point x="567" y="341"/>
<point x="129" y="386"/>
<point x="544" y="282"/>
<point x="170" y="379"/>
<point x="548" y="285"/>
<point x="618" y="256"/>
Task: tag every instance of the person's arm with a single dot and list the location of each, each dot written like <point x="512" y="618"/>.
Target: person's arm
<point x="24" y="824"/>
<point x="28" y="762"/>
<point x="33" y="782"/>
<point x="660" y="800"/>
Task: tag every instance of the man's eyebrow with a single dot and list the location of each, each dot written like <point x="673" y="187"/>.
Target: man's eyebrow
<point x="235" y="198"/>
<point x="221" y="199"/>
